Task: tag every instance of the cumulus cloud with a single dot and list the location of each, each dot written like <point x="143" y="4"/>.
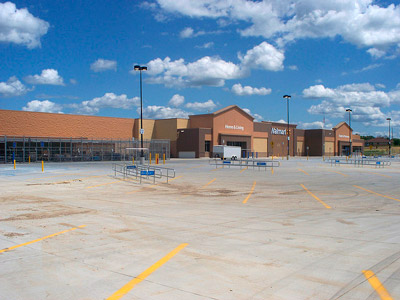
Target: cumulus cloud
<point x="48" y="76"/>
<point x="263" y="56"/>
<point x="239" y="90"/>
<point x="108" y="100"/>
<point x="363" y="23"/>
<point x="364" y="100"/>
<point x="315" y="125"/>
<point x="101" y="65"/>
<point x="213" y="71"/>
<point x="176" y="100"/>
<point x="257" y="117"/>
<point x="43" y="106"/>
<point x="208" y="105"/>
<point x="206" y="45"/>
<point x="187" y="33"/>
<point x="18" y="26"/>
<point x="13" y="87"/>
<point x="163" y="112"/>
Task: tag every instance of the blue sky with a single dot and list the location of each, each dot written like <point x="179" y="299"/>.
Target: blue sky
<point x="78" y="56"/>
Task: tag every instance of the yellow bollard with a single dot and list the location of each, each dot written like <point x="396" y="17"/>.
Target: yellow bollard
<point x="307" y="157"/>
<point x="150" y="158"/>
<point x="42" y="166"/>
<point x="272" y="171"/>
<point x="163" y="157"/>
<point x="133" y="160"/>
<point x="14" y="164"/>
<point x="29" y="159"/>
<point x="156" y="158"/>
<point x="323" y="158"/>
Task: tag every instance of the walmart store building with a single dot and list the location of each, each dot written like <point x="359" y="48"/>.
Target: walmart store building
<point x="192" y="137"/>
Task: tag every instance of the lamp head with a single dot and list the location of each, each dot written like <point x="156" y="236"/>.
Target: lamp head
<point x="136" y="68"/>
<point x="388" y="119"/>
<point x="348" y="109"/>
<point x="287" y="96"/>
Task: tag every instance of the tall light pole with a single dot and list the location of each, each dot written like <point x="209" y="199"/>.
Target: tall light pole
<point x="140" y="69"/>
<point x="349" y="110"/>
<point x="389" y="134"/>
<point x="287" y="97"/>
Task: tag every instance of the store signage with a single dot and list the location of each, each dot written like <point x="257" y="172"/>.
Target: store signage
<point x="278" y="131"/>
<point x="235" y="127"/>
<point x="343" y="136"/>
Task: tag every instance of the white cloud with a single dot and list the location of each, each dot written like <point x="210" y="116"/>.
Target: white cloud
<point x="239" y="90"/>
<point x="42" y="106"/>
<point x="162" y="112"/>
<point x="364" y="100"/>
<point x="13" y="87"/>
<point x="376" y="53"/>
<point x="48" y="76"/>
<point x="208" y="105"/>
<point x="213" y="71"/>
<point x="101" y="65"/>
<point x="206" y="45"/>
<point x="176" y="100"/>
<point x="361" y="22"/>
<point x="108" y="100"/>
<point x="293" y="68"/>
<point x="315" y="125"/>
<point x="20" y="27"/>
<point x="369" y="67"/>
<point x="263" y="56"/>
<point x="257" y="117"/>
<point x="186" y="33"/>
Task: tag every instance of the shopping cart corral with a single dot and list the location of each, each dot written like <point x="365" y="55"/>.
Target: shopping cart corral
<point x="255" y="164"/>
<point x="143" y="172"/>
<point x="359" y="162"/>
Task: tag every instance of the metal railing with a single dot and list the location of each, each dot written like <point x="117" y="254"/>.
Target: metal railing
<point x="245" y="163"/>
<point x="143" y="172"/>
<point x="359" y="162"/>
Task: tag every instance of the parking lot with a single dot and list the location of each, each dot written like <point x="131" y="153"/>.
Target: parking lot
<point x="306" y="230"/>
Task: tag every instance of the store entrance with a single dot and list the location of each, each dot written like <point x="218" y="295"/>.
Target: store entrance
<point x="237" y="144"/>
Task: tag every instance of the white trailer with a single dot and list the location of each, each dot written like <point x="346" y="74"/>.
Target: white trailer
<point x="227" y="152"/>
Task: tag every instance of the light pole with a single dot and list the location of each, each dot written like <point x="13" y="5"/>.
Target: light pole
<point x="389" y="134"/>
<point x="140" y="69"/>
<point x="287" y="97"/>
<point x="349" y="110"/>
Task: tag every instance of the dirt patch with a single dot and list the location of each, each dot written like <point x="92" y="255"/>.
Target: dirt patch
<point x="12" y="234"/>
<point x="345" y="222"/>
<point x="47" y="215"/>
<point x="26" y="199"/>
<point x="292" y="192"/>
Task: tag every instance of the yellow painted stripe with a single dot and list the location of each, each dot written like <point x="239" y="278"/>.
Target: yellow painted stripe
<point x="383" y="175"/>
<point x="372" y="192"/>
<point x="243" y="169"/>
<point x="107" y="183"/>
<point x="315" y="197"/>
<point x="338" y="173"/>
<point x="377" y="285"/>
<point x="251" y="192"/>
<point x="303" y="171"/>
<point x="208" y="183"/>
<point x="40" y="239"/>
<point x="131" y="284"/>
<point x="175" y="178"/>
<point x="216" y="169"/>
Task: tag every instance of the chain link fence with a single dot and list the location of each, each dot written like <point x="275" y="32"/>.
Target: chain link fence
<point x="29" y="149"/>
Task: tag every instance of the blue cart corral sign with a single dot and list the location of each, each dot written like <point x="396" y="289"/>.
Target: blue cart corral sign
<point x="261" y="164"/>
<point x="146" y="172"/>
<point x="131" y="167"/>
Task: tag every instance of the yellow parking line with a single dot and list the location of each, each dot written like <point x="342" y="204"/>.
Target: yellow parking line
<point x="217" y="168"/>
<point x="383" y="175"/>
<point x="40" y="239"/>
<point x="372" y="192"/>
<point x="377" y="285"/>
<point x="243" y="169"/>
<point x="338" y="173"/>
<point x="131" y="284"/>
<point x="208" y="183"/>
<point x="315" y="197"/>
<point x="303" y="171"/>
<point x="251" y="192"/>
<point x="175" y="178"/>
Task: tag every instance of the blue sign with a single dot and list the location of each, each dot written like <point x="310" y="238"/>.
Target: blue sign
<point x="378" y="162"/>
<point x="14" y="144"/>
<point x="42" y="144"/>
<point x="261" y="164"/>
<point x="131" y="167"/>
<point x="227" y="162"/>
<point x="146" y="172"/>
<point x="337" y="160"/>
